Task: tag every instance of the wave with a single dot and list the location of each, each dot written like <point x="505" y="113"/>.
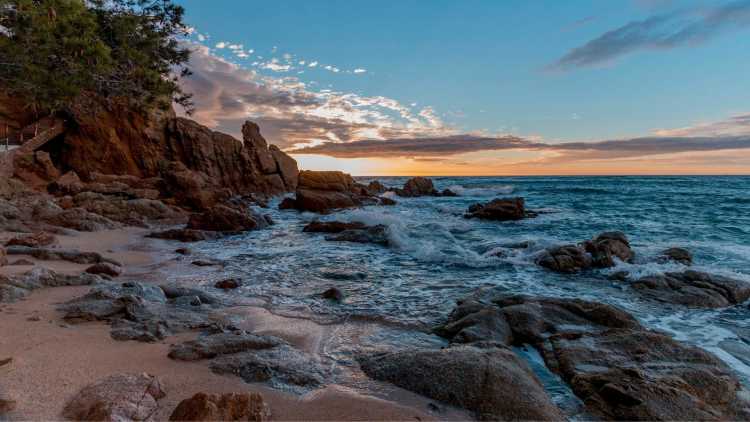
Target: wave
<point x="461" y="190"/>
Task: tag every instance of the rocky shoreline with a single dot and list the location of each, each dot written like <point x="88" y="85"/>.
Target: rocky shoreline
<point x="93" y="257"/>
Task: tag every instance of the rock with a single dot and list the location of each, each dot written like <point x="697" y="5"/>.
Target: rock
<point x="417" y="186"/>
<point x="35" y="169"/>
<point x="565" y="259"/>
<point x="505" y="209"/>
<point x="121" y="397"/>
<point x="448" y="193"/>
<point x="184" y="235"/>
<point x="78" y="219"/>
<point x="607" y="246"/>
<point x="130" y="211"/>
<point x="375" y="234"/>
<point x="326" y="181"/>
<point x="22" y="262"/>
<point x="376" y="188"/>
<point x="19" y="286"/>
<point x="225" y="407"/>
<point x="3" y="256"/>
<point x="45" y="254"/>
<point x="288" y="204"/>
<point x="492" y="382"/>
<point x="332" y="226"/>
<point x="211" y="346"/>
<point x="679" y="255"/>
<point x="68" y="184"/>
<point x="183" y="251"/>
<point x="287" y="167"/>
<point x="620" y="370"/>
<point x="173" y="292"/>
<point x="254" y="358"/>
<point x="206" y="263"/>
<point x="333" y="294"/>
<point x="324" y="201"/>
<point x="36" y="240"/>
<point x="694" y="289"/>
<point x="225" y="219"/>
<point x="104" y="268"/>
<point x="7" y="403"/>
<point x="385" y="201"/>
<point x="481" y="323"/>
<point x="228" y="284"/>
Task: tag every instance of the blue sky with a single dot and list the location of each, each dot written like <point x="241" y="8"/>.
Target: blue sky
<point x="559" y="71"/>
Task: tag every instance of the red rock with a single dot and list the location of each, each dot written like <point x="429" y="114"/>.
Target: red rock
<point x="33" y="240"/>
<point x="322" y="201"/>
<point x="225" y="407"/>
<point x="104" y="268"/>
<point x="325" y="180"/>
<point x="228" y="284"/>
<point x="418" y="186"/>
<point x="499" y="210"/>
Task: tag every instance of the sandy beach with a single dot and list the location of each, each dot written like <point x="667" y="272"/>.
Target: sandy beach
<point x="52" y="360"/>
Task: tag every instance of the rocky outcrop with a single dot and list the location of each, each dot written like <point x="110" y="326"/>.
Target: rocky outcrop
<point x="492" y="382"/>
<point x="504" y="209"/>
<point x="121" y="397"/>
<point x="17" y="287"/>
<point x="597" y="253"/>
<point x="694" y="289"/>
<point x="416" y="187"/>
<point x="620" y="369"/>
<point x="75" y="256"/>
<point x="326" y="191"/>
<point x="225" y="407"/>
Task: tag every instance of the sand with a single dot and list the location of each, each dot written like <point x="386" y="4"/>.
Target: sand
<point x="52" y="360"/>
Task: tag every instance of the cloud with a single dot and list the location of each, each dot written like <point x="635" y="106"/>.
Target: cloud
<point x="221" y="45"/>
<point x="313" y="64"/>
<point x="289" y="112"/>
<point x="360" y="70"/>
<point x="733" y="126"/>
<point x="572" y="151"/>
<point x="658" y="32"/>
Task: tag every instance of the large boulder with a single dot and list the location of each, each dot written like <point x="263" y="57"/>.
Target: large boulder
<point x="326" y="191"/>
<point x="326" y="181"/>
<point x="492" y="382"/>
<point x="620" y="369"/>
<point x="225" y="407"/>
<point x="324" y="201"/>
<point x="502" y="209"/>
<point x="121" y="397"/>
<point x="694" y="289"/>
<point x="222" y="218"/>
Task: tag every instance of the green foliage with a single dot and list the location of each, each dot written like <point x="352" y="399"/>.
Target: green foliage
<point x="53" y="52"/>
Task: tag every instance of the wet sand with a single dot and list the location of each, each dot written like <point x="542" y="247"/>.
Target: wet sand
<point x="53" y="360"/>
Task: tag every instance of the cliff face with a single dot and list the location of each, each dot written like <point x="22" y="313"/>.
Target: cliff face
<point x="198" y="165"/>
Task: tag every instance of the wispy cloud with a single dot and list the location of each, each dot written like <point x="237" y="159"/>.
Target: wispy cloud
<point x="663" y="31"/>
<point x="290" y="113"/>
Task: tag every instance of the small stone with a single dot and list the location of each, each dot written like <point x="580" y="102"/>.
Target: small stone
<point x="228" y="284"/>
<point x="333" y="294"/>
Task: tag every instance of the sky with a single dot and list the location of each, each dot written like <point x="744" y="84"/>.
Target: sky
<point x="480" y="87"/>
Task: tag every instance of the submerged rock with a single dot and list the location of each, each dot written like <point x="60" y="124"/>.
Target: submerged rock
<point x="122" y="397"/>
<point x="225" y="407"/>
<point x="693" y="288"/>
<point x="228" y="284"/>
<point x="332" y="226"/>
<point x="503" y="209"/>
<point x="619" y="369"/>
<point x="375" y="234"/>
<point x="333" y="294"/>
<point x="492" y="382"/>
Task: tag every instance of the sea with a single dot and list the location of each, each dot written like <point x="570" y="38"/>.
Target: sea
<point x="437" y="256"/>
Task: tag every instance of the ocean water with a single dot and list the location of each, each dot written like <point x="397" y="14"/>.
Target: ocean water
<point x="437" y="256"/>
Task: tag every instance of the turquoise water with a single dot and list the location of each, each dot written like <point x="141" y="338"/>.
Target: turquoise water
<point x="437" y="256"/>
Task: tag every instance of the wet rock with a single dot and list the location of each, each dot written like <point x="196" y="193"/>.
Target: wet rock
<point x="620" y="370"/>
<point x="416" y="187"/>
<point x="694" y="289"/>
<point x="225" y="407"/>
<point x="254" y="358"/>
<point x="335" y="181"/>
<point x="324" y="201"/>
<point x="206" y="263"/>
<point x="61" y="255"/>
<point x="492" y="382"/>
<point x="228" y="284"/>
<point x="448" y="193"/>
<point x="333" y="294"/>
<point x="225" y="219"/>
<point x="211" y="346"/>
<point x="388" y="202"/>
<point x="183" y="251"/>
<point x="565" y="259"/>
<point x="505" y="209"/>
<point x="121" y="397"/>
<point x="77" y="219"/>
<point x="3" y="256"/>
<point x="68" y="184"/>
<point x="35" y="240"/>
<point x="184" y="235"/>
<point x="173" y="292"/>
<point x="332" y="226"/>
<point x="287" y="167"/>
<point x="679" y="255"/>
<point x="288" y="204"/>
<point x="375" y="234"/>
<point x="128" y="209"/>
<point x="606" y="247"/>
<point x="376" y="188"/>
<point x="473" y="322"/>
<point x="326" y="191"/>
<point x="140" y="312"/>
<point x="104" y="268"/>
